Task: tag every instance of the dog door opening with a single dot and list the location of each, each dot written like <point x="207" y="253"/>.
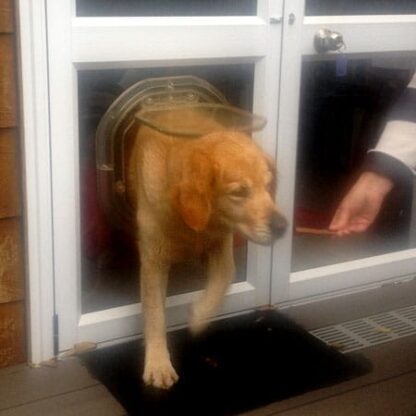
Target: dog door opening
<point x="109" y="255"/>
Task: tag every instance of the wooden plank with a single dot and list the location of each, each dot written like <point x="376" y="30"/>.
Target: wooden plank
<point x="391" y="397"/>
<point x="11" y="262"/>
<point x="6" y="16"/>
<point x="6" y="371"/>
<point x="12" y="334"/>
<point x="27" y="385"/>
<point x="8" y="95"/>
<point x="93" y="401"/>
<point x="389" y="360"/>
<point x="9" y="174"/>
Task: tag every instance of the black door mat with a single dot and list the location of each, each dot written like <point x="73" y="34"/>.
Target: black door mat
<point x="238" y="364"/>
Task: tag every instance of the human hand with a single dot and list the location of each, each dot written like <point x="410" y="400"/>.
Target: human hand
<point x="361" y="205"/>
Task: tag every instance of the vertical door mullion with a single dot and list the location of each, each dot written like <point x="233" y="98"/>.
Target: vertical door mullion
<point x="265" y="102"/>
<point x="287" y="136"/>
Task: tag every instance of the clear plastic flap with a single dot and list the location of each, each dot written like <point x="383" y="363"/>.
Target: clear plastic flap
<point x="184" y="106"/>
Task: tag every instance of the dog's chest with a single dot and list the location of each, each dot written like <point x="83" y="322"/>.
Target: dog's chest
<point x="188" y="245"/>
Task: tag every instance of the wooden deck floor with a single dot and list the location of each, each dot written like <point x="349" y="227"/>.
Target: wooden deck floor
<point x="389" y="390"/>
<point x="69" y="390"/>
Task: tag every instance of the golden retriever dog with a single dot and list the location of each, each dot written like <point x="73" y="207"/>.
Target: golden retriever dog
<point x="192" y="194"/>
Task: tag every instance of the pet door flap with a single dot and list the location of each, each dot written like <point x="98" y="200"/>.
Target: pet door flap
<point x="183" y="106"/>
<point x="197" y="119"/>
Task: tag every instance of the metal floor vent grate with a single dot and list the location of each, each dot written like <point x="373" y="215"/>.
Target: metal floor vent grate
<point x="369" y="331"/>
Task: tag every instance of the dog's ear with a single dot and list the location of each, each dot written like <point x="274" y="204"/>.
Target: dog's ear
<point x="194" y="192"/>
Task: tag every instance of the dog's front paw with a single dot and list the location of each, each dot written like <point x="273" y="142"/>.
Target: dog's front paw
<point x="160" y="373"/>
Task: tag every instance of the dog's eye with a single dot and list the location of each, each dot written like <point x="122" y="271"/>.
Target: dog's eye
<point x="239" y="191"/>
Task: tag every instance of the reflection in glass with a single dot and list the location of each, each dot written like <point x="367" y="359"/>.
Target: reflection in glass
<point x="341" y="118"/>
<point x="166" y="7"/>
<point x="109" y="258"/>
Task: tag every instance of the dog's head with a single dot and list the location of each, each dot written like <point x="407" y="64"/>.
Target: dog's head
<point x="229" y="181"/>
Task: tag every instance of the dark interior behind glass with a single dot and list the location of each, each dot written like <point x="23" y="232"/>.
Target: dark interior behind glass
<point x="166" y="8"/>
<point x="341" y="118"/>
<point x="357" y="7"/>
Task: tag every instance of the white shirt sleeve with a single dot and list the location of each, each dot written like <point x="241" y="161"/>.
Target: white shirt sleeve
<point x="398" y="138"/>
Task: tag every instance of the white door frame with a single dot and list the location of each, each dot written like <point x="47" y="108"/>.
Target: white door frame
<point x="388" y="33"/>
<point x="48" y="83"/>
<point x="37" y="172"/>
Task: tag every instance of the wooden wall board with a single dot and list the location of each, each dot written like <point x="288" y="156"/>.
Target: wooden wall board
<point x="12" y="334"/>
<point x="12" y="307"/>
<point x="6" y="16"/>
<point x="9" y="174"/>
<point x="11" y="262"/>
<point x="8" y="94"/>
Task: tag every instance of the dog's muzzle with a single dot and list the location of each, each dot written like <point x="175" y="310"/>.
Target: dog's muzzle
<point x="278" y="225"/>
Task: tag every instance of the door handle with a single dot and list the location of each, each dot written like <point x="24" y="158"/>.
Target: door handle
<point x="327" y="40"/>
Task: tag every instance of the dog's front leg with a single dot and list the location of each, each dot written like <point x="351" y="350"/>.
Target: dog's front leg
<point x="158" y="369"/>
<point x="220" y="275"/>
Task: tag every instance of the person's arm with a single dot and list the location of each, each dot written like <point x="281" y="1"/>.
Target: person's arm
<point x="392" y="161"/>
<point x="360" y="207"/>
<point x="398" y="139"/>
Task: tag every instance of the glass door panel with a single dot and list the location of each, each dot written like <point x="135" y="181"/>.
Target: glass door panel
<point x="332" y="110"/>
<point x="109" y="257"/>
<point x="361" y="7"/>
<point x="341" y="118"/>
<point x="95" y="8"/>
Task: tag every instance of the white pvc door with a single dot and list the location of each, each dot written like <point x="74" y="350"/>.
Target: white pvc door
<point x="331" y="112"/>
<point x="96" y="50"/>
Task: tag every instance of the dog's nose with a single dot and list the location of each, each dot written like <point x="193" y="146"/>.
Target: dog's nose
<point x="278" y="225"/>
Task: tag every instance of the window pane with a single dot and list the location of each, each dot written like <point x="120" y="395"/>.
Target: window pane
<point x="109" y="258"/>
<point x="166" y="7"/>
<point x="341" y="118"/>
<point x="357" y="7"/>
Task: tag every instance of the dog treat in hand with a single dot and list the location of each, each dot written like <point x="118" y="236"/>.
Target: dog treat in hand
<point x="316" y="231"/>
